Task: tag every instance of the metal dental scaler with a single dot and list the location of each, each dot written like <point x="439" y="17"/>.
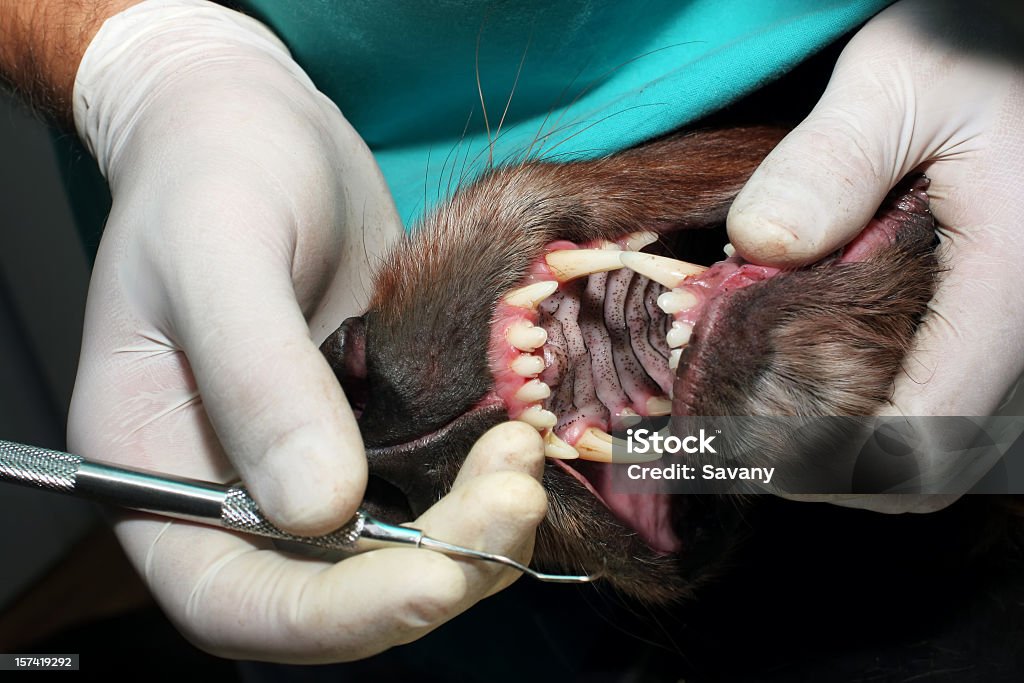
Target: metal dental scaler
<point x="226" y="506"/>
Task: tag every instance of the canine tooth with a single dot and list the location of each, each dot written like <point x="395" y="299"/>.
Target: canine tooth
<point x="729" y="249"/>
<point x="538" y="418"/>
<point x="533" y="391"/>
<point x="673" y="358"/>
<point x="554" y="447"/>
<point x="527" y="366"/>
<point x="676" y="300"/>
<point x="595" y="444"/>
<point x="609" y="246"/>
<point x="530" y="296"/>
<point x="525" y="337"/>
<point x="664" y="271"/>
<point x="679" y="334"/>
<point x="569" y="264"/>
<point x="639" y="240"/>
<point x="659" y="405"/>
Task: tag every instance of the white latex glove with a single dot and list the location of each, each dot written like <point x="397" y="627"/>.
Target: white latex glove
<point x="939" y="87"/>
<point x="245" y="213"/>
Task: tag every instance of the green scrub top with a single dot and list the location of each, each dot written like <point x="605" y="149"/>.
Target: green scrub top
<point x="588" y="76"/>
<point x="423" y="80"/>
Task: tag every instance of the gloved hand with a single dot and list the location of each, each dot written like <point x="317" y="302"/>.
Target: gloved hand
<point x="246" y="211"/>
<point x="939" y="87"/>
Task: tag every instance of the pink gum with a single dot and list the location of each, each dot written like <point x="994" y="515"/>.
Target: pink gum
<point x="721" y="278"/>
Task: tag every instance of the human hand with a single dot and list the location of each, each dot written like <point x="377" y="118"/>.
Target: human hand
<point x="937" y="87"/>
<point x="245" y="213"/>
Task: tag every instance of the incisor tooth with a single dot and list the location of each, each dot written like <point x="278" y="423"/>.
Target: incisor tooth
<point x="729" y="249"/>
<point x="639" y="240"/>
<point x="525" y="337"/>
<point x="527" y="366"/>
<point x="533" y="391"/>
<point x="676" y="300"/>
<point x="664" y="271"/>
<point x="530" y="296"/>
<point x="679" y="334"/>
<point x="596" y="445"/>
<point x="569" y="264"/>
<point x="673" y="358"/>
<point x="556" y="448"/>
<point x="659" y="405"/>
<point x="538" y="418"/>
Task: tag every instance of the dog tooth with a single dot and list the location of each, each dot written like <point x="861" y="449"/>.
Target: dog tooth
<point x="659" y="405"/>
<point x="608" y="245"/>
<point x="569" y="264"/>
<point x="639" y="240"/>
<point x="554" y="447"/>
<point x="527" y="366"/>
<point x="525" y="337"/>
<point x="596" y="445"/>
<point x="676" y="301"/>
<point x="627" y="417"/>
<point x="538" y="418"/>
<point x="664" y="271"/>
<point x="530" y="296"/>
<point x="533" y="391"/>
<point x="679" y="334"/>
<point x="673" y="358"/>
<point x="729" y="249"/>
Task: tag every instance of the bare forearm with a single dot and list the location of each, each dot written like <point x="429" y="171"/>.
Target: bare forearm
<point x="42" y="43"/>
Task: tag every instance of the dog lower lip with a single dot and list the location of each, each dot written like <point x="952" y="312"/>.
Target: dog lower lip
<point x="404" y="467"/>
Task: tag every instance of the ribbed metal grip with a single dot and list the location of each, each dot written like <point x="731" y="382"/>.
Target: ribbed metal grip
<point x="38" y="467"/>
<point x="241" y="513"/>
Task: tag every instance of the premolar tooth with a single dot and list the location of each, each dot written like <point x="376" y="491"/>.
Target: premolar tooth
<point x="639" y="240"/>
<point x="729" y="249"/>
<point x="659" y="405"/>
<point x="525" y="337"/>
<point x="673" y="358"/>
<point x="676" y="300"/>
<point x="538" y="418"/>
<point x="627" y="417"/>
<point x="664" y="271"/>
<point x="554" y="447"/>
<point x="679" y="334"/>
<point x="533" y="391"/>
<point x="527" y="366"/>
<point x="530" y="296"/>
<point x="569" y="264"/>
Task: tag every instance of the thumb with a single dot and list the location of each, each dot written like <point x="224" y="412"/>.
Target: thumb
<point x="273" y="400"/>
<point x="822" y="184"/>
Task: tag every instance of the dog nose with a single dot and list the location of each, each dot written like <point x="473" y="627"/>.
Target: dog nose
<point x="345" y="351"/>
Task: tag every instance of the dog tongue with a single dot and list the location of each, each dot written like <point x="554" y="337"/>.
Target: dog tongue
<point x="648" y="514"/>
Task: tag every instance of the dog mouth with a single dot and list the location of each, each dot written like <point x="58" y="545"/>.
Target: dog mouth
<point x="548" y="311"/>
<point x="599" y="334"/>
